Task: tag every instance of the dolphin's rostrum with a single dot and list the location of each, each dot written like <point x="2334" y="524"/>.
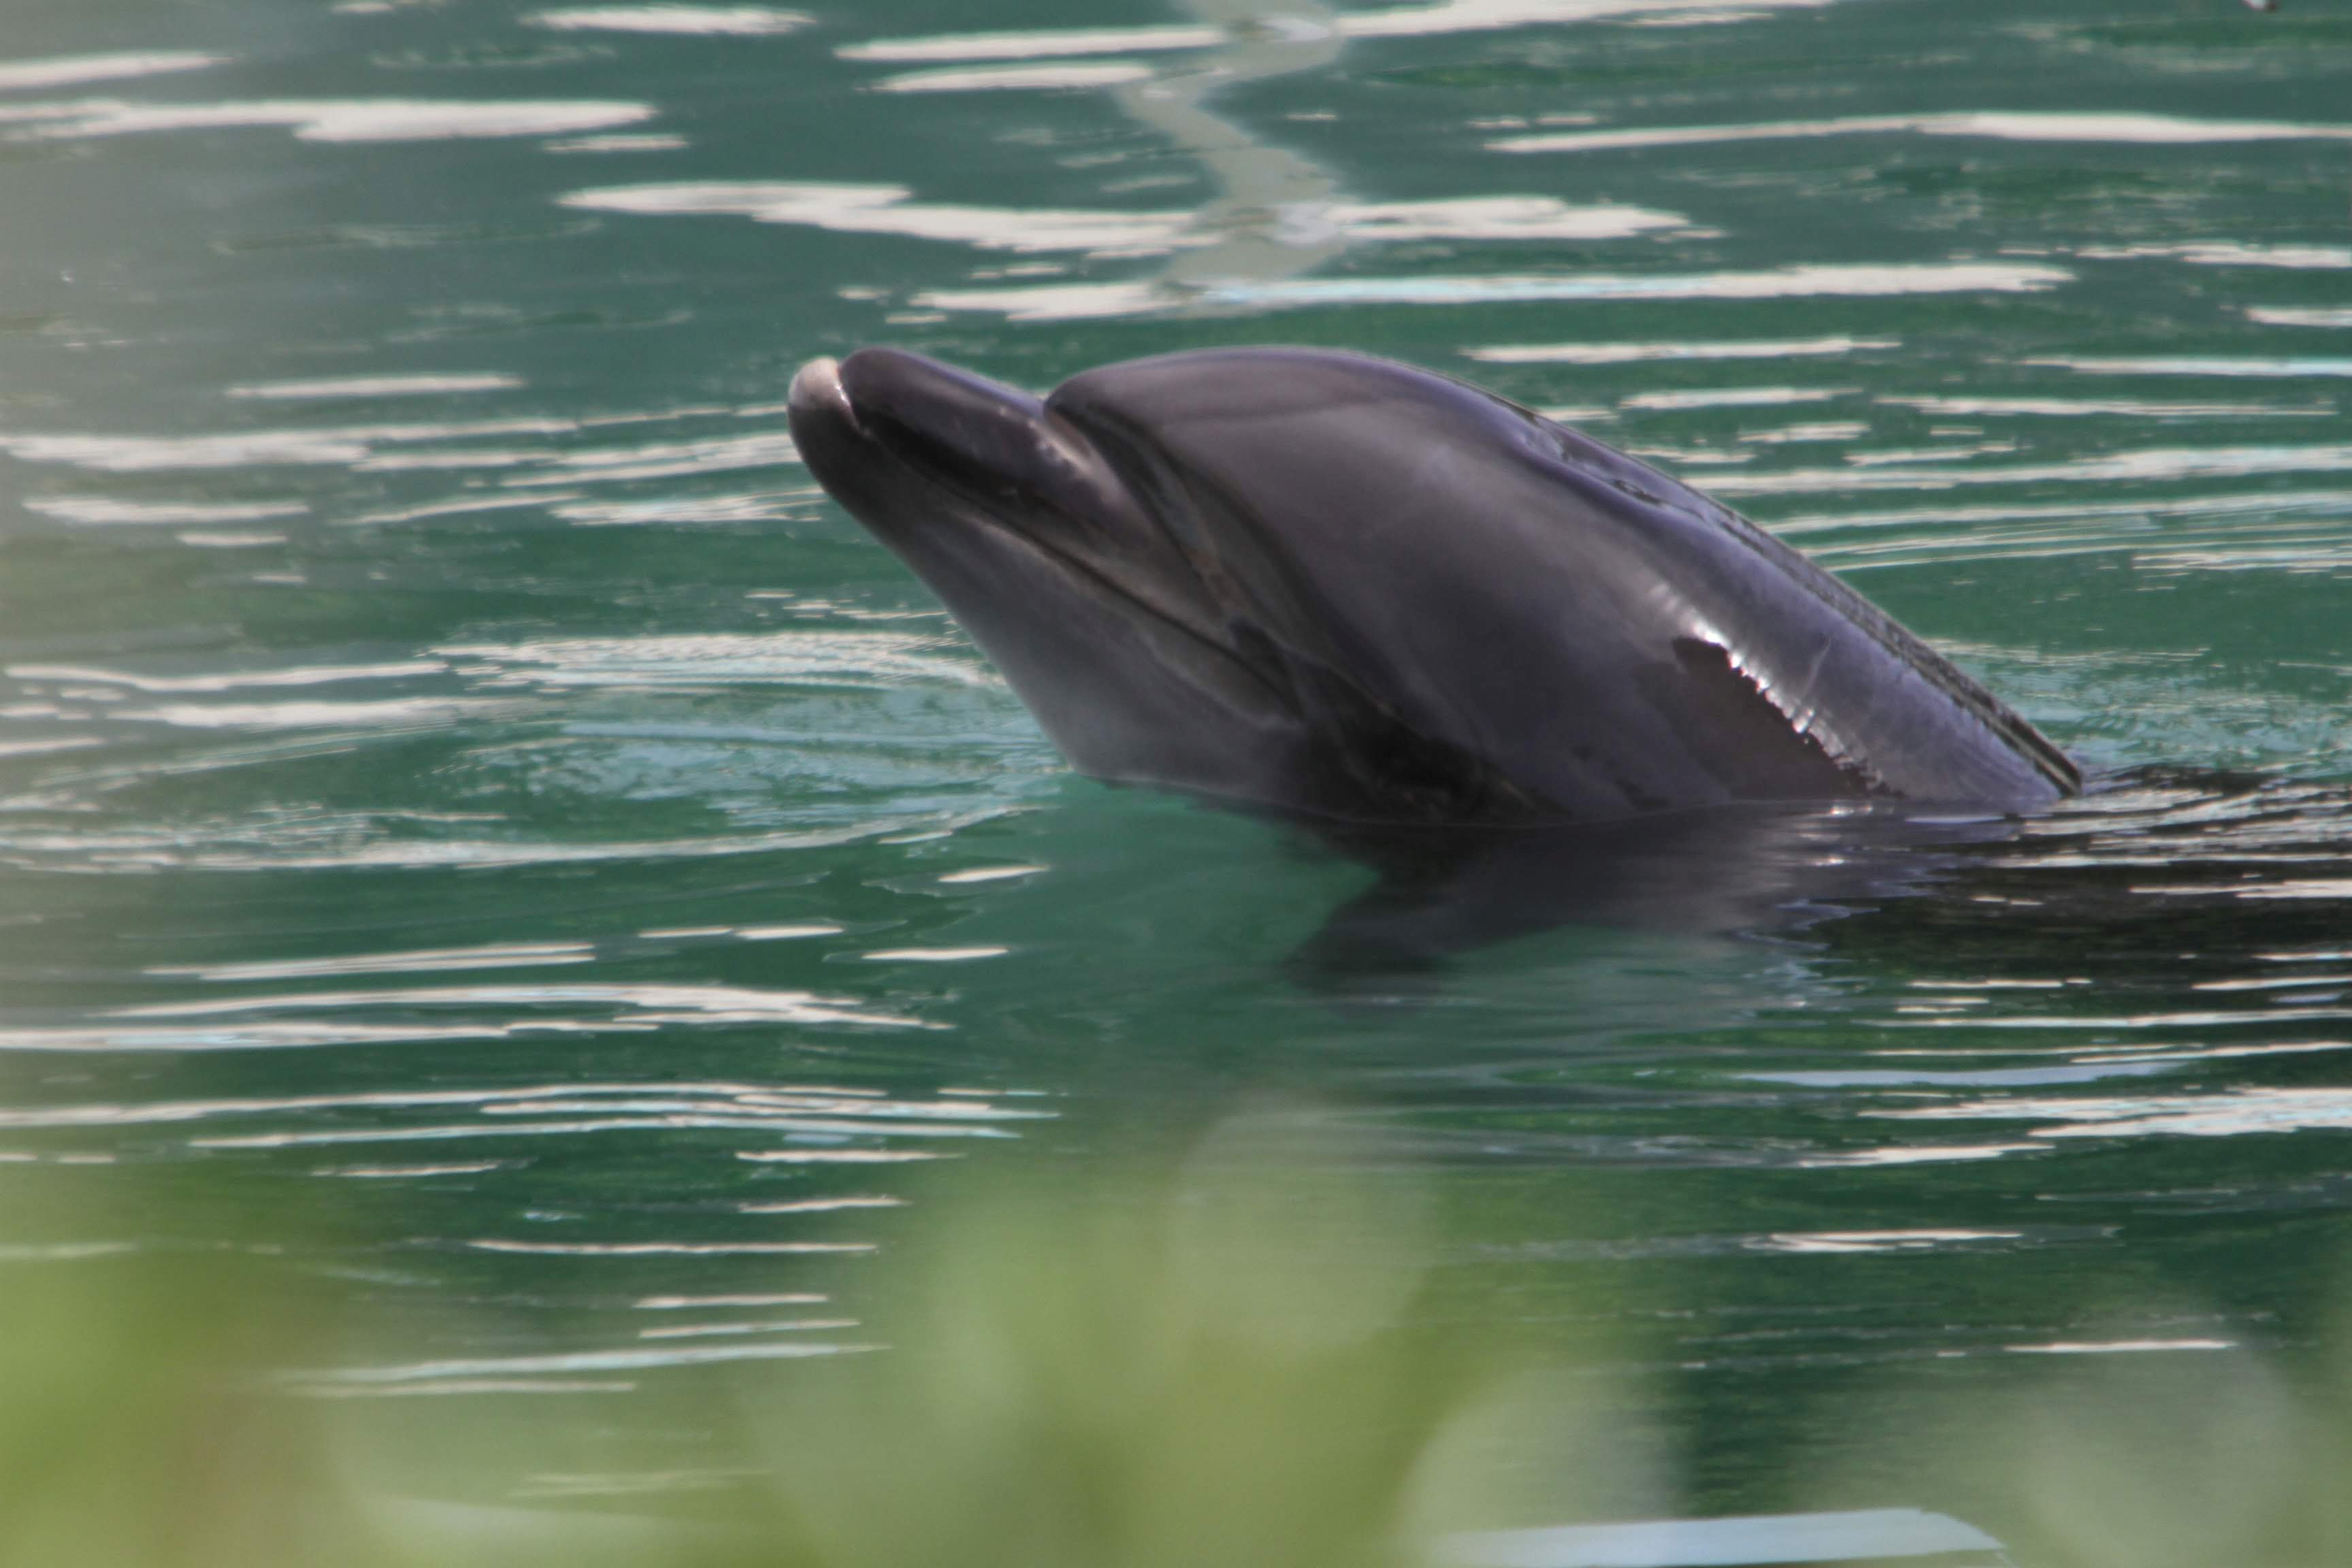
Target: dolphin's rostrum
<point x="1349" y="589"/>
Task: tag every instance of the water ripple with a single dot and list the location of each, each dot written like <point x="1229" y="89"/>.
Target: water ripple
<point x="1397" y="21"/>
<point x="331" y="120"/>
<point x="892" y="210"/>
<point x="857" y="659"/>
<point x="1076" y="301"/>
<point x="2061" y="126"/>
<point x="72" y="70"/>
<point x="1637" y="354"/>
<point x="698" y="21"/>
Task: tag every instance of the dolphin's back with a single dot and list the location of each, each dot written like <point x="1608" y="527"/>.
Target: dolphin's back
<point x="1533" y="602"/>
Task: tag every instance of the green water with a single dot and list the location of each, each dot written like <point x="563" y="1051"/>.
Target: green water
<point x="454" y="763"/>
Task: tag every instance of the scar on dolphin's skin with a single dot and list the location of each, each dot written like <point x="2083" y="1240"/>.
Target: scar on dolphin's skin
<point x="1349" y="589"/>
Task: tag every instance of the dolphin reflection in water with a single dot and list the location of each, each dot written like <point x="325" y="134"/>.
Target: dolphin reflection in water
<point x="1531" y="678"/>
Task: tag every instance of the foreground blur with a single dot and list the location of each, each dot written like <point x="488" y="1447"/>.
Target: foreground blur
<point x="1241" y="1359"/>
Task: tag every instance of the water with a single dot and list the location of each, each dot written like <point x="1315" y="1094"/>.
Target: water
<point x="454" y="762"/>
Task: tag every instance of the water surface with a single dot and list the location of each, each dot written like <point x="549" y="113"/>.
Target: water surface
<point x="454" y="760"/>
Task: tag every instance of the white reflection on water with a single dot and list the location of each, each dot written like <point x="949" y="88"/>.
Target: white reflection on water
<point x="998" y="78"/>
<point x="333" y="120"/>
<point x="756" y="1326"/>
<point x="2290" y="316"/>
<point x="1473" y="218"/>
<point x="673" y="510"/>
<point x="2227" y="253"/>
<point x="2056" y="126"/>
<point x="437" y="959"/>
<point x="1486" y="16"/>
<point x="708" y="21"/>
<point x="56" y="744"/>
<point x="625" y="142"/>
<point x="72" y="70"/>
<point x="462" y="1375"/>
<point x="1041" y="44"/>
<point x="859" y="660"/>
<point x="318" y="840"/>
<point x="864" y="1113"/>
<point x="821" y="1131"/>
<point x="101" y="510"/>
<point x="665" y="1248"/>
<point x="1403" y="21"/>
<point x="2264" y="1018"/>
<point x="586" y="1008"/>
<point x="1277" y="215"/>
<point x="1736" y="397"/>
<point x="1854" y="280"/>
<point x="1839" y="1242"/>
<point x="231" y="681"/>
<point x="2132" y="407"/>
<point x="456" y="1385"/>
<point x="2207" y="533"/>
<point x="1859" y="280"/>
<point x="343" y="446"/>
<point x="1888" y="1078"/>
<point x="2149" y="464"/>
<point x="1919" y="1154"/>
<point x="665" y="459"/>
<point x="261" y="1035"/>
<point x="2112" y="1347"/>
<point x="621" y="718"/>
<point x="2221" y="1114"/>
<point x="989" y="874"/>
<point x="1794" y="434"/>
<point x="649" y="1002"/>
<point x="1697" y="456"/>
<point x="147" y="454"/>
<point x="1635" y="354"/>
<point x="891" y="209"/>
<point x="410" y="448"/>
<point x="397" y="713"/>
<point x="933" y="954"/>
<point x="420" y="385"/>
<point x="2176" y="364"/>
<point x="1901" y="457"/>
<point x="838" y="1156"/>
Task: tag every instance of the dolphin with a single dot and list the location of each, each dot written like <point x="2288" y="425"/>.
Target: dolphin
<point x="1349" y="590"/>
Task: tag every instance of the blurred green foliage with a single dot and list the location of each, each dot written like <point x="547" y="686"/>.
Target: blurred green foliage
<point x="1221" y="1365"/>
<point x="1230" y="1362"/>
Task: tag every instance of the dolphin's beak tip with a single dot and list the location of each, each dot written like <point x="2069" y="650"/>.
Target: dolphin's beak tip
<point x="818" y="386"/>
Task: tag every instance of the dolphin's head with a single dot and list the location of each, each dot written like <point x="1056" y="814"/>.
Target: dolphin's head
<point x="1068" y="542"/>
<point x="1336" y="584"/>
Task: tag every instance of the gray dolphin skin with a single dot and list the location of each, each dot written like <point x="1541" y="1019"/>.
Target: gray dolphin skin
<point x="1345" y="589"/>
